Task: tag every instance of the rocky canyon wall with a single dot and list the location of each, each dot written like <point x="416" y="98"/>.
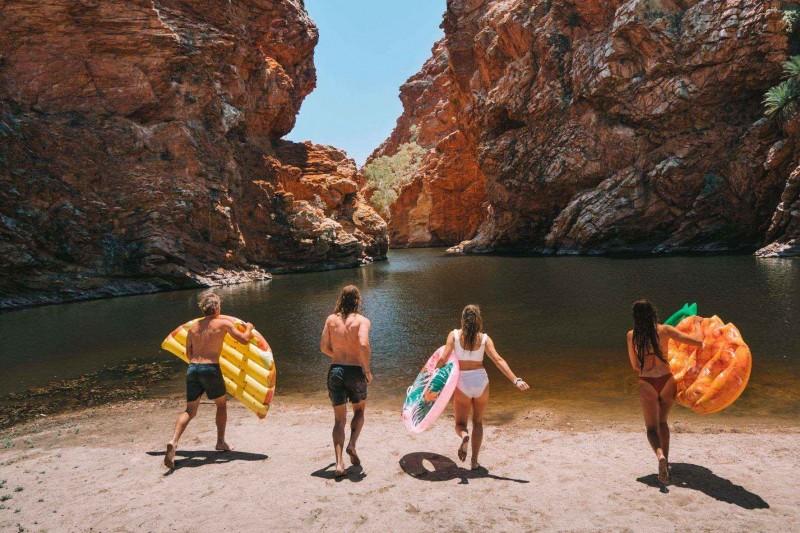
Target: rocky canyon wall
<point x="444" y="201"/>
<point x="140" y="150"/>
<point x="612" y="126"/>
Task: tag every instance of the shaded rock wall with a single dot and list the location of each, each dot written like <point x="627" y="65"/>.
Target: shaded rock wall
<point x="141" y="150"/>
<point x="614" y="126"/>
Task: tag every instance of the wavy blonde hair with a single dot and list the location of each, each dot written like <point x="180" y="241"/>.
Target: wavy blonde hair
<point x="209" y="303"/>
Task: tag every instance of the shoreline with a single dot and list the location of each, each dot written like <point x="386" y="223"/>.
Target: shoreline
<point x="160" y="379"/>
<point x="101" y="468"/>
<point x="133" y="286"/>
<point x="545" y="414"/>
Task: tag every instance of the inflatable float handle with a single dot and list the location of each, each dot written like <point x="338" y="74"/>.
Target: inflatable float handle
<point x="685" y="311"/>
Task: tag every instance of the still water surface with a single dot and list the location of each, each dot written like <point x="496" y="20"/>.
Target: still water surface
<point x="560" y="323"/>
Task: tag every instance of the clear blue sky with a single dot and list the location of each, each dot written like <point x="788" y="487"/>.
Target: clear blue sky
<point x="366" y="50"/>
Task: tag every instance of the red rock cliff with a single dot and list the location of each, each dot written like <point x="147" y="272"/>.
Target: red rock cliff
<point x="141" y="149"/>
<point x="444" y="201"/>
<point x="610" y="126"/>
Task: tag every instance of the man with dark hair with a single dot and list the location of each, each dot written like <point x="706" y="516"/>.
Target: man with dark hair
<point x="345" y="339"/>
<point x="203" y="346"/>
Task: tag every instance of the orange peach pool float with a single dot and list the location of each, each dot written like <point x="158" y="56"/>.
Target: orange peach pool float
<point x="712" y="377"/>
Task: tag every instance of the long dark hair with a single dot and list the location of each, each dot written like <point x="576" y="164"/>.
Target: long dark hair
<point x="471" y="325"/>
<point x="349" y="301"/>
<point x="645" y="331"/>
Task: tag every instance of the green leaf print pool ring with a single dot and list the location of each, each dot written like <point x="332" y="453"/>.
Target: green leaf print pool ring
<point x="427" y="397"/>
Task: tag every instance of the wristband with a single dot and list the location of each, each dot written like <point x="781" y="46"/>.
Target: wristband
<point x="518" y="381"/>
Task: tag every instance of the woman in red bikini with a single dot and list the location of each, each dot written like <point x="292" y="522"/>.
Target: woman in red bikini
<point x="647" y="349"/>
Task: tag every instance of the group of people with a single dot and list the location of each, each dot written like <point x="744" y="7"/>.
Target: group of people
<point x="345" y="340"/>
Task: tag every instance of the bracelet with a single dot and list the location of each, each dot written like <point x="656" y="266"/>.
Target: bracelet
<point x="518" y="381"/>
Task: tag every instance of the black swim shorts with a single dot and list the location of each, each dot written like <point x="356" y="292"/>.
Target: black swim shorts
<point x="204" y="377"/>
<point x="346" y="382"/>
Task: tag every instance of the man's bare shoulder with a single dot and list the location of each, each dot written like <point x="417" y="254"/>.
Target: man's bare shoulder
<point x="221" y="323"/>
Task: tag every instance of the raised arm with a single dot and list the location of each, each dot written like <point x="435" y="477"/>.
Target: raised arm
<point x="678" y="336"/>
<point x="503" y="366"/>
<point x="325" y="344"/>
<point x="242" y="336"/>
<point x="632" y="353"/>
<point x="364" y="348"/>
<point x="448" y="349"/>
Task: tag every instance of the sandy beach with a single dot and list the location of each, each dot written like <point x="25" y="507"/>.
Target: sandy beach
<point x="101" y="470"/>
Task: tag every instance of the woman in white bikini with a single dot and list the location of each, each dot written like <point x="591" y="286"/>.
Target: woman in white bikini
<point x="472" y="393"/>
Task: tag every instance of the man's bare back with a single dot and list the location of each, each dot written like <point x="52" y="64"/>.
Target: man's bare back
<point x="205" y="338"/>
<point x="346" y="341"/>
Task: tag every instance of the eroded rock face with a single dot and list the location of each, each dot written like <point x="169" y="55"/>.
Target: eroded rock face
<point x="444" y="203"/>
<point x="141" y="150"/>
<point x="614" y="126"/>
<point x="783" y="159"/>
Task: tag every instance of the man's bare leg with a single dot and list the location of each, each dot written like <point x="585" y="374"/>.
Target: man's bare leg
<point x="355" y="430"/>
<point x="222" y="421"/>
<point x="340" y="420"/>
<point x="180" y="426"/>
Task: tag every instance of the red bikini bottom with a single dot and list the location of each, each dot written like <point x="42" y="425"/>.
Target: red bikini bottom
<point x="657" y="383"/>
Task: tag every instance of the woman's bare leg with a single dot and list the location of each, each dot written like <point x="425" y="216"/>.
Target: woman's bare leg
<point x="650" y="408"/>
<point x="478" y="407"/>
<point x="462" y="405"/>
<point x="665" y="399"/>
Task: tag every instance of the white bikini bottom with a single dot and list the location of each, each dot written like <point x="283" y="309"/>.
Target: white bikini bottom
<point x="473" y="382"/>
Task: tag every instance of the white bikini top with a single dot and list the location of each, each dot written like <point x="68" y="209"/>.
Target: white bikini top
<point x="468" y="355"/>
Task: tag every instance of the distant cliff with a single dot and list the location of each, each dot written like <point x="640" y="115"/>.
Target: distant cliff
<point x="592" y="127"/>
<point x="140" y="150"/>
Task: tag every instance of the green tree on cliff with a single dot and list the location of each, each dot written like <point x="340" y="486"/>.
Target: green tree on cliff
<point x="781" y="100"/>
<point x="388" y="173"/>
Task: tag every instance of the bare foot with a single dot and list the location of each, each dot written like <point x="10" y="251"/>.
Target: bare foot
<point x="223" y="447"/>
<point x="462" y="450"/>
<point x="339" y="472"/>
<point x="169" y="456"/>
<point x="353" y="456"/>
<point x="475" y="466"/>
<point x="663" y="470"/>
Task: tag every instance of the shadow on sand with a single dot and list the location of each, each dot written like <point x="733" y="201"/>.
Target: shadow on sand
<point x="444" y="469"/>
<point x="193" y="459"/>
<point x="700" y="478"/>
<point x="354" y="473"/>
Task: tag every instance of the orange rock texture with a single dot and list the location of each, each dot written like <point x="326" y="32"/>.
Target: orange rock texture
<point x="595" y="127"/>
<point x="140" y="150"/>
<point x="445" y="200"/>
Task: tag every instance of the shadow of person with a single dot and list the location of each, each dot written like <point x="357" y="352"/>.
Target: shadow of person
<point x="696" y="477"/>
<point x="355" y="473"/>
<point x="444" y="469"/>
<point x="195" y="458"/>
